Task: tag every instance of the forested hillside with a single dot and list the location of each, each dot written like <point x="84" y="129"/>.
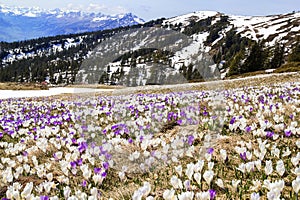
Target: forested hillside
<point x="235" y="44"/>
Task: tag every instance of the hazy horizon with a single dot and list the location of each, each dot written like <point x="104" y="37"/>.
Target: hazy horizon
<point x="154" y="9"/>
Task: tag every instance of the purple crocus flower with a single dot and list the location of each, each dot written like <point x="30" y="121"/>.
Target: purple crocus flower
<point x="232" y="120"/>
<point x="108" y="156"/>
<point x="288" y="133"/>
<point x="104" y="174"/>
<point x="105" y="165"/>
<point x="190" y="140"/>
<point x="82" y="147"/>
<point x="212" y="194"/>
<point x="130" y="140"/>
<point x="79" y="162"/>
<point x="44" y="198"/>
<point x="74" y="141"/>
<point x="210" y="150"/>
<point x="248" y="129"/>
<point x="55" y="157"/>
<point x="269" y="134"/>
<point x="179" y="122"/>
<point x="243" y="156"/>
<point x="141" y="138"/>
<point x="97" y="170"/>
<point x="73" y="164"/>
<point x="84" y="183"/>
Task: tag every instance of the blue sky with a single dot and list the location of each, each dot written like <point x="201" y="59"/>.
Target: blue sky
<point x="152" y="9"/>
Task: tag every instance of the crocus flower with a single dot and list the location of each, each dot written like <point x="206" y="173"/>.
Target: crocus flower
<point x="255" y="196"/>
<point x="73" y="164"/>
<point x="296" y="184"/>
<point x="269" y="134"/>
<point x="84" y="183"/>
<point x="212" y="194"/>
<point x="243" y="156"/>
<point x="97" y="170"/>
<point x="210" y="150"/>
<point x="288" y="133"/>
<point x="208" y="176"/>
<point x="44" y="198"/>
<point x="232" y="120"/>
<point x="191" y="139"/>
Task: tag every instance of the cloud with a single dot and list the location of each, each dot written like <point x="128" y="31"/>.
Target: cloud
<point x="92" y="7"/>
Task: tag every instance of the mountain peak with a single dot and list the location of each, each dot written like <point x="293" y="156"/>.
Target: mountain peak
<point x="20" y="23"/>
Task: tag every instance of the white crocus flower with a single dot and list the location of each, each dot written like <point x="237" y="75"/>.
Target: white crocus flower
<point x="256" y="185"/>
<point x="186" y="196"/>
<point x="169" y="195"/>
<point x="242" y="168"/>
<point x="296" y="184"/>
<point x="142" y="192"/>
<point x="86" y="171"/>
<point x="235" y="184"/>
<point x="134" y="156"/>
<point x="197" y="177"/>
<point x="208" y="156"/>
<point x="286" y="153"/>
<point x="67" y="192"/>
<point x="275" y="151"/>
<point x="223" y="154"/>
<point x="199" y="166"/>
<point x="203" y="196"/>
<point x="189" y="170"/>
<point x="296" y="171"/>
<point x="208" y="176"/>
<point x="268" y="167"/>
<point x="274" y="188"/>
<point x="178" y="169"/>
<point x="295" y="160"/>
<point x="176" y="182"/>
<point x="27" y="190"/>
<point x="250" y="166"/>
<point x="97" y="178"/>
<point x="220" y="183"/>
<point x="280" y="167"/>
<point x="258" y="164"/>
<point x="210" y="165"/>
<point x="59" y="155"/>
<point x="255" y="196"/>
<point x="49" y="176"/>
<point x="26" y="167"/>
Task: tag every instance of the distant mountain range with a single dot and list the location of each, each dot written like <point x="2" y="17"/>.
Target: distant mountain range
<point x="18" y="24"/>
<point x="232" y="44"/>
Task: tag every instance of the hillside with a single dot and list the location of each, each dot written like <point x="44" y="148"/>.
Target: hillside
<point x="193" y="47"/>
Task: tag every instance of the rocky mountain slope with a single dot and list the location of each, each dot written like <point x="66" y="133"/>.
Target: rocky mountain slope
<point x="187" y="47"/>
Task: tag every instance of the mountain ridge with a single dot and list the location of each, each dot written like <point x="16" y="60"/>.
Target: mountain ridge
<point x="235" y="44"/>
<point x="28" y="23"/>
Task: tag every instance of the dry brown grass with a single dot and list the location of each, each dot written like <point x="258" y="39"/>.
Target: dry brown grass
<point x="20" y="86"/>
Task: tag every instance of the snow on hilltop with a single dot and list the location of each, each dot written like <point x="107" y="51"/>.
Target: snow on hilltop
<point x="18" y="23"/>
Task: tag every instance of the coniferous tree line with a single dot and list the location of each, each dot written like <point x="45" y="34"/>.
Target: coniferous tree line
<point x="236" y="53"/>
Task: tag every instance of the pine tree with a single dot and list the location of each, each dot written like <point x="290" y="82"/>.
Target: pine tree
<point x="278" y="57"/>
<point x="235" y="64"/>
<point x="256" y="60"/>
<point x="295" y="55"/>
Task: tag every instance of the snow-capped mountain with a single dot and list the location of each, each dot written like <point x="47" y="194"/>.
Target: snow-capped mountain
<point x="18" y="24"/>
<point x="231" y="44"/>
